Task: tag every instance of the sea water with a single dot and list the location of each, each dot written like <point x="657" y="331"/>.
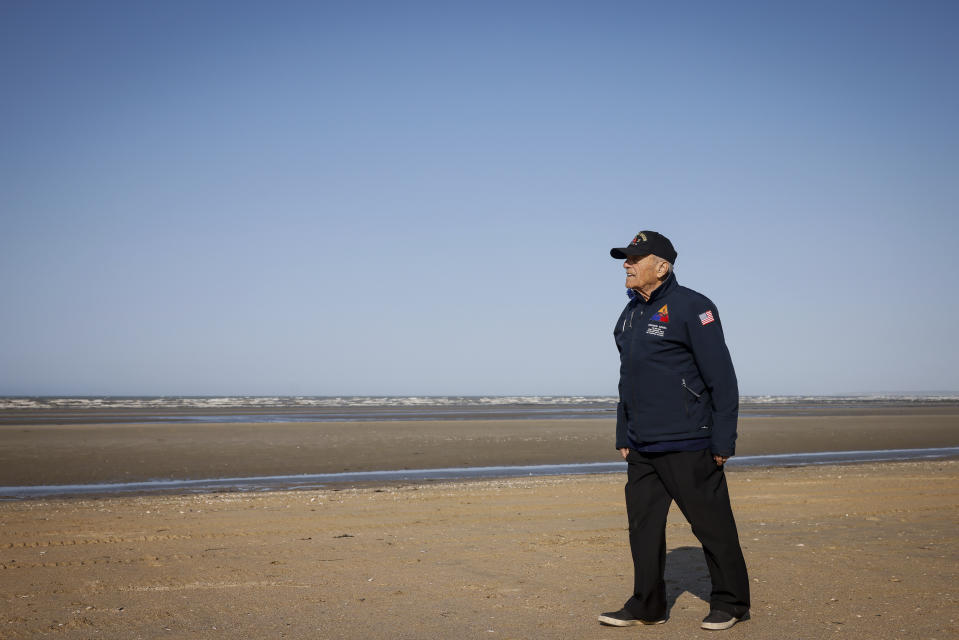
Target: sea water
<point x="335" y="480"/>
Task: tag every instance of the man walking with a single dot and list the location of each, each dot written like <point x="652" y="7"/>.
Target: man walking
<point x="676" y="427"/>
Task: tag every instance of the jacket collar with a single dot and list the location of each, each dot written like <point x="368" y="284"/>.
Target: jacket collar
<point x="668" y="285"/>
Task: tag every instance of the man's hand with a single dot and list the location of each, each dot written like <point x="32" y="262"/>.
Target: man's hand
<point x="720" y="460"/>
<point x="625" y="452"/>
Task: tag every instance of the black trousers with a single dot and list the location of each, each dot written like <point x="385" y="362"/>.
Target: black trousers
<point x="698" y="486"/>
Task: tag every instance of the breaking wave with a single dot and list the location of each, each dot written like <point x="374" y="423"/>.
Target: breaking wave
<point x="464" y="402"/>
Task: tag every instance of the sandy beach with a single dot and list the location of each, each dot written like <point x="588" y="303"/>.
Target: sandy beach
<point x="854" y="551"/>
<point x="859" y="551"/>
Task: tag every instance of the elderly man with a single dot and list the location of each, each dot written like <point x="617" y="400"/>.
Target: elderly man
<point x="676" y="427"/>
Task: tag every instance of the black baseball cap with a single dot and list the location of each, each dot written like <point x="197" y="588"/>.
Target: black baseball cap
<point x="644" y="243"/>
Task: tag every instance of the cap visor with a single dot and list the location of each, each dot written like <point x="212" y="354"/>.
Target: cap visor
<point x="624" y="252"/>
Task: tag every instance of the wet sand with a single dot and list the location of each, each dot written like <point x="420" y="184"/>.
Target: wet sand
<point x="859" y="551"/>
<point x="118" y="452"/>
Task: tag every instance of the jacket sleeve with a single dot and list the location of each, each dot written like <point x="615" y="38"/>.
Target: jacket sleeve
<point x="716" y="367"/>
<point x="622" y="440"/>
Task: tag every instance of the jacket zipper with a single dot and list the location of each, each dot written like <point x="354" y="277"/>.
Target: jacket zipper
<point x="690" y="390"/>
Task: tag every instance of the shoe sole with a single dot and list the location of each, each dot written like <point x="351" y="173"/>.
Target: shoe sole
<point x="616" y="622"/>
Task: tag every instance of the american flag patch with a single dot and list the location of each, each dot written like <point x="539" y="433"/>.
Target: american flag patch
<point x="706" y="318"/>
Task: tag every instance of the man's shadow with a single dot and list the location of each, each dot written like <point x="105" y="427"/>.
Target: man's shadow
<point x="686" y="571"/>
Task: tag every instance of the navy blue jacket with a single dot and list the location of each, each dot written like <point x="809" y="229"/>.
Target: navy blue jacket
<point x="676" y="379"/>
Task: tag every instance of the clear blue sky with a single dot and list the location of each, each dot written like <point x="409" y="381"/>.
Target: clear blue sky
<point x="419" y="197"/>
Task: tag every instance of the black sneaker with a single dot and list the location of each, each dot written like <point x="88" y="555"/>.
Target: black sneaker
<point x="719" y="620"/>
<point x="624" y="618"/>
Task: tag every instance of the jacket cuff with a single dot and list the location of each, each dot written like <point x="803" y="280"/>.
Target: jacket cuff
<point x="723" y="444"/>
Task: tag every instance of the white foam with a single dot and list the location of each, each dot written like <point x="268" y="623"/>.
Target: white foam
<point x="294" y="402"/>
<point x="857" y="398"/>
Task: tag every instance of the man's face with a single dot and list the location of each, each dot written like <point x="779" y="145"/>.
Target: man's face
<point x="641" y="272"/>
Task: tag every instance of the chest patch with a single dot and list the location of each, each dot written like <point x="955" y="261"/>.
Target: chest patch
<point x="662" y="315"/>
<point x="655" y="329"/>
